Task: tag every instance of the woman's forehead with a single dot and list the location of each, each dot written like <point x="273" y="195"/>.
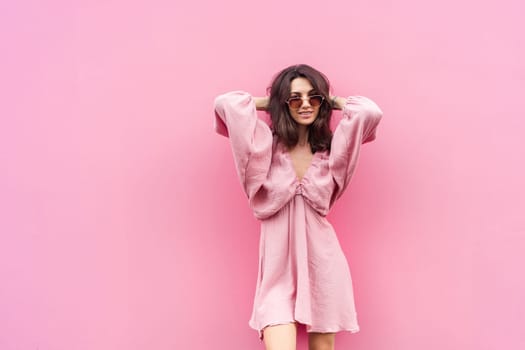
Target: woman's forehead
<point x="301" y="85"/>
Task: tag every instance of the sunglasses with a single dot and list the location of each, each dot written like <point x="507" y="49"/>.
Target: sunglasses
<point x="297" y="102"/>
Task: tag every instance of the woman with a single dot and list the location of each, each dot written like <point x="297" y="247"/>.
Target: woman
<point x="292" y="173"/>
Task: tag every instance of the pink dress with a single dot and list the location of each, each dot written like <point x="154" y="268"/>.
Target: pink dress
<point x="303" y="274"/>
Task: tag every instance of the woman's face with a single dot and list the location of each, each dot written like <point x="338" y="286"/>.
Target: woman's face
<point x="306" y="113"/>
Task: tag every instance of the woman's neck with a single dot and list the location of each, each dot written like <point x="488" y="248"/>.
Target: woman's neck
<point x="303" y="136"/>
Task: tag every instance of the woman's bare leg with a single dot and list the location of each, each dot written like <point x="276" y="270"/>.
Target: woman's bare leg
<point x="280" y="337"/>
<point x="321" y="341"/>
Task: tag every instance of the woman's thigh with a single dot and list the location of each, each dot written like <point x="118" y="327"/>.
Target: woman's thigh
<point x="321" y="341"/>
<point x="280" y="337"/>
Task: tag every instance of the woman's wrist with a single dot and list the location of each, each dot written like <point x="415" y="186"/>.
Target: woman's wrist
<point x="261" y="103"/>
<point x="337" y="102"/>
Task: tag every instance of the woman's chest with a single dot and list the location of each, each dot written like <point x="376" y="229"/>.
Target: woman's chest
<point x="294" y="166"/>
<point x="300" y="160"/>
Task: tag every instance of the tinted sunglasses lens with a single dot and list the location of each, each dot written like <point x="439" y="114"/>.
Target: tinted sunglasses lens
<point x="295" y="103"/>
<point x="316" y="100"/>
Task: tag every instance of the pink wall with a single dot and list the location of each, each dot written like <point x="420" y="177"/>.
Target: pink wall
<point x="123" y="226"/>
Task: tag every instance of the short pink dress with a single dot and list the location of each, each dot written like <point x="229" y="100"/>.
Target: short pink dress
<point x="303" y="274"/>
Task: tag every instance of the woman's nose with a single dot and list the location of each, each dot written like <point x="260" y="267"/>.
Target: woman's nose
<point x="305" y="100"/>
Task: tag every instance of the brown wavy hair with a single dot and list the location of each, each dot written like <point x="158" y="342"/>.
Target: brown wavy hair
<point x="283" y="125"/>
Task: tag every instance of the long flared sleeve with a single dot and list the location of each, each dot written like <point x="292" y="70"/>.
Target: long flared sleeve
<point x="250" y="138"/>
<point x="361" y="117"/>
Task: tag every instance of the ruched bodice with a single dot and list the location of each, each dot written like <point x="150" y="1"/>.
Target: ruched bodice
<point x="316" y="186"/>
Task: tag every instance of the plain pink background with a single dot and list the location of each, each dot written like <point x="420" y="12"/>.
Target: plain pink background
<point x="122" y="222"/>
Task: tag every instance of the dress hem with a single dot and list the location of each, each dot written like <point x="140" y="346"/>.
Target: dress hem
<point x="309" y="328"/>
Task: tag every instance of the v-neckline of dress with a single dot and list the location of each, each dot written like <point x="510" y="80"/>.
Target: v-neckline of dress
<point x="290" y="160"/>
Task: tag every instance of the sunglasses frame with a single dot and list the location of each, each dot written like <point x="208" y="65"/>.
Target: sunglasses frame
<point x="302" y="100"/>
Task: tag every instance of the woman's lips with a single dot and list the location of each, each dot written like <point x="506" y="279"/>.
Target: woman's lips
<point x="305" y="115"/>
